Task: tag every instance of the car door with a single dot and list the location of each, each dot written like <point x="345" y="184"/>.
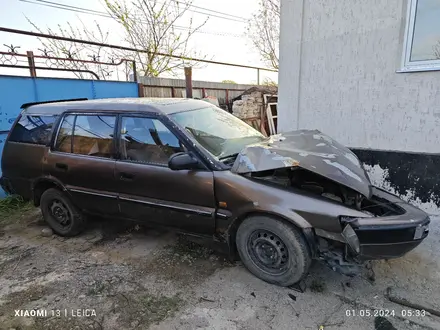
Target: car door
<point x="82" y="159"/>
<point x="149" y="190"/>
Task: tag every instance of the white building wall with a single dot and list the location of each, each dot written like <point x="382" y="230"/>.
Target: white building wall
<point x="338" y="63"/>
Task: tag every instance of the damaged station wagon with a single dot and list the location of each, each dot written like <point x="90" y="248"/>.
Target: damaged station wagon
<point x="279" y="202"/>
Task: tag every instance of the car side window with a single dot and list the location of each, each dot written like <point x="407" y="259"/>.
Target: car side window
<point x="65" y="134"/>
<point x="147" y="140"/>
<point x="92" y="135"/>
<point x="33" y="129"/>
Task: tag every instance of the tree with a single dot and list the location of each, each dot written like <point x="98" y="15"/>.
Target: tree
<point x="264" y="31"/>
<point x="76" y="51"/>
<point x="149" y="25"/>
<point x="228" y="81"/>
<point x="269" y="82"/>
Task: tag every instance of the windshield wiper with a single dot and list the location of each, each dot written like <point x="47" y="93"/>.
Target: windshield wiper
<point x="228" y="156"/>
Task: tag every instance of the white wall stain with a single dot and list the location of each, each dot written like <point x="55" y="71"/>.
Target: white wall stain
<point x="380" y="178"/>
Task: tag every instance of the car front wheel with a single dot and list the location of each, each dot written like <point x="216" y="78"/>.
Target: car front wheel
<point x="60" y="213"/>
<point x="273" y="250"/>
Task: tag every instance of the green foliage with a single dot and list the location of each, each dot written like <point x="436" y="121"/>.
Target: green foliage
<point x="12" y="203"/>
<point x="228" y="81"/>
<point x="13" y="206"/>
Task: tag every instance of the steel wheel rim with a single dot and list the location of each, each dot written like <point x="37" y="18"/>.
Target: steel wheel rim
<point x="268" y="252"/>
<point x="60" y="213"/>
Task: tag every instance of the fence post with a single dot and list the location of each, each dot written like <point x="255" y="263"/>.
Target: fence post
<point x="227" y="98"/>
<point x="258" y="77"/>
<point x="173" y="92"/>
<point x="188" y="81"/>
<point x="135" y="77"/>
<point x="141" y="90"/>
<point x="31" y="61"/>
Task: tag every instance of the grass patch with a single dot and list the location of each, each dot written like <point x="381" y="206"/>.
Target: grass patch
<point x="145" y="309"/>
<point x="317" y="285"/>
<point x="186" y="262"/>
<point x="158" y="308"/>
<point x="187" y="250"/>
<point x="97" y="289"/>
<point x="13" y="208"/>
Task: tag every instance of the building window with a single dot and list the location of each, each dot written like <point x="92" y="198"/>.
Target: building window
<point x="146" y="140"/>
<point x="422" y="38"/>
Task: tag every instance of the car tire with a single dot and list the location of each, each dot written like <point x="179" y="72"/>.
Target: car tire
<point x="60" y="214"/>
<point x="273" y="250"/>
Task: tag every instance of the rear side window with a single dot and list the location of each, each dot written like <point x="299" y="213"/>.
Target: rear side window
<point x="33" y="129"/>
<point x="90" y="135"/>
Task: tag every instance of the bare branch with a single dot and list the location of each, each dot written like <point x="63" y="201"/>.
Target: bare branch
<point x="264" y="31"/>
<point x="65" y="49"/>
<point x="150" y="25"/>
<point x="147" y="24"/>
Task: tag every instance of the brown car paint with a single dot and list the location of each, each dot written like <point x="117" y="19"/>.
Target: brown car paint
<point x="189" y="200"/>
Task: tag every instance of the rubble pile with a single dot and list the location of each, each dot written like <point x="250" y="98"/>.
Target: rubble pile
<point x="250" y="106"/>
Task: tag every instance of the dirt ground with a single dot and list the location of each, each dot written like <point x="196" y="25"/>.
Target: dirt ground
<point x="124" y="276"/>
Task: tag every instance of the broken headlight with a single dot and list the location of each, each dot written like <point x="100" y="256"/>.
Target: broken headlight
<point x="421" y="231"/>
<point x="351" y="238"/>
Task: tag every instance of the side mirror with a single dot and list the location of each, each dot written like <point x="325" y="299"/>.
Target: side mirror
<point x="183" y="161"/>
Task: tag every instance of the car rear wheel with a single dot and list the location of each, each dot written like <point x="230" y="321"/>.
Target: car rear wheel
<point x="273" y="250"/>
<point x="60" y="213"/>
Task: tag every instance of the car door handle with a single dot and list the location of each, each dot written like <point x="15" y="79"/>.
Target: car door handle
<point x="126" y="176"/>
<point x="62" y="166"/>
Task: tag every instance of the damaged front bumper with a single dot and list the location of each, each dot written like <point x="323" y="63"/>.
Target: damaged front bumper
<point x="383" y="237"/>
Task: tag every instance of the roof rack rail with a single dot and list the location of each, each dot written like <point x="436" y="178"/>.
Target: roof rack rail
<point x="26" y="105"/>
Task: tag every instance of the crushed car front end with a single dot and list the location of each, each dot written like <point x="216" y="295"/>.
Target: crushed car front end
<point x="352" y="220"/>
<point x="400" y="229"/>
<point x="384" y="237"/>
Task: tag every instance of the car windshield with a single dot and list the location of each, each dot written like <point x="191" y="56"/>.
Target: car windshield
<point x="219" y="132"/>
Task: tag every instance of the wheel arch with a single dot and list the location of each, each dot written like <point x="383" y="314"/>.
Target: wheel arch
<point x="302" y="226"/>
<point x="41" y="185"/>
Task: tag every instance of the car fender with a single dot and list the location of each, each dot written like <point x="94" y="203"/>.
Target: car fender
<point x="273" y="210"/>
<point x="46" y="180"/>
<point x="49" y="179"/>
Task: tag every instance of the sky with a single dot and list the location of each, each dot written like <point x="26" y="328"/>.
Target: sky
<point x="427" y="30"/>
<point x="222" y="40"/>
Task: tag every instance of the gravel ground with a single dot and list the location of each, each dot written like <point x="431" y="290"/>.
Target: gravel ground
<point x="121" y="276"/>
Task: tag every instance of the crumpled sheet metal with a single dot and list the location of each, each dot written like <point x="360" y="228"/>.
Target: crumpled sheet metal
<point x="308" y="149"/>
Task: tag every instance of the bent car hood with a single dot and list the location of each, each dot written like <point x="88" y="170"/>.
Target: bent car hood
<point x="308" y="149"/>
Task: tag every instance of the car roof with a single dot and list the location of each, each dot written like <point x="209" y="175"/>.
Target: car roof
<point x="138" y="104"/>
